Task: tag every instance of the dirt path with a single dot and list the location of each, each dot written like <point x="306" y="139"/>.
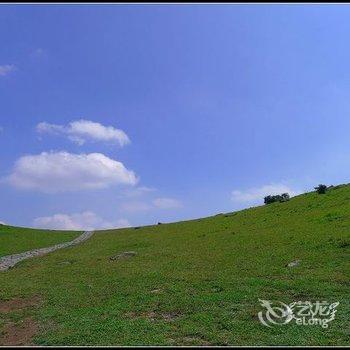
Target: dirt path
<point x="6" y="262"/>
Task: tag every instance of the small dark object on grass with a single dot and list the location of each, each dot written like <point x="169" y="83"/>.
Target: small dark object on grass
<point x="159" y="223"/>
<point x="137" y="227"/>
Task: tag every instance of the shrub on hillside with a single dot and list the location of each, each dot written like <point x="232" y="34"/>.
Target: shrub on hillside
<point x="284" y="197"/>
<point x="321" y="189"/>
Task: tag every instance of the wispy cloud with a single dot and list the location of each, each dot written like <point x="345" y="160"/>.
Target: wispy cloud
<point x="136" y="206"/>
<point x="157" y="203"/>
<point x="167" y="203"/>
<point x="138" y="191"/>
<point x="7" y="69"/>
<point x="38" y="52"/>
<point x="86" y="220"/>
<point x="52" y="172"/>
<point x="80" y="131"/>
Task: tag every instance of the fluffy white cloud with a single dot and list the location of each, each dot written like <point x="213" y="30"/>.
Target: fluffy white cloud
<point x="81" y="221"/>
<point x="80" y="131"/>
<point x="62" y="171"/>
<point x="258" y="193"/>
<point x="2" y="223"/>
<point x="167" y="203"/>
<point x="6" y="69"/>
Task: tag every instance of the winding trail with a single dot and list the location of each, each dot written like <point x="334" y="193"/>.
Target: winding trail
<point x="9" y="261"/>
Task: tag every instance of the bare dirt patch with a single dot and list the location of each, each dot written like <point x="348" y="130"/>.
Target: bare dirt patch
<point x="18" y="304"/>
<point x="20" y="333"/>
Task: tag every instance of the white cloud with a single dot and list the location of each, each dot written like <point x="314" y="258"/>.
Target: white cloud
<point x="6" y="69"/>
<point x="52" y="172"/>
<point x="80" y="131"/>
<point x="258" y="193"/>
<point x="2" y="223"/>
<point x="167" y="203"/>
<point x="80" y="221"/>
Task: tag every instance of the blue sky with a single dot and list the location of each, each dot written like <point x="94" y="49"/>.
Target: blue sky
<point x="113" y="115"/>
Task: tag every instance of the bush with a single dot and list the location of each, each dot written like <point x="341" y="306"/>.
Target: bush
<point x="321" y="189"/>
<point x="284" y="197"/>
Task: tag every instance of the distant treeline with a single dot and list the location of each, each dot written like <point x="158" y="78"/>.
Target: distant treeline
<point x="284" y="197"/>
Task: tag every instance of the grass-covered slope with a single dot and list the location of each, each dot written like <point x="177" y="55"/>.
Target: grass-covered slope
<point x="18" y="239"/>
<point x="195" y="282"/>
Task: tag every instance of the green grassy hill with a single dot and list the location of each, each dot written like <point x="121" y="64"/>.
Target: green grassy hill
<point x="196" y="282"/>
<point x="18" y="239"/>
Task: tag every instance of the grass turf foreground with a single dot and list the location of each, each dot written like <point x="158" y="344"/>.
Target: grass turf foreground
<point x="189" y="283"/>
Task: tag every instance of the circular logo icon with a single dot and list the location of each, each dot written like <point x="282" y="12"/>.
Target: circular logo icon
<point x="275" y="314"/>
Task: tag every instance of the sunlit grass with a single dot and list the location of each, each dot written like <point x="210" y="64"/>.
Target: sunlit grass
<point x="197" y="282"/>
